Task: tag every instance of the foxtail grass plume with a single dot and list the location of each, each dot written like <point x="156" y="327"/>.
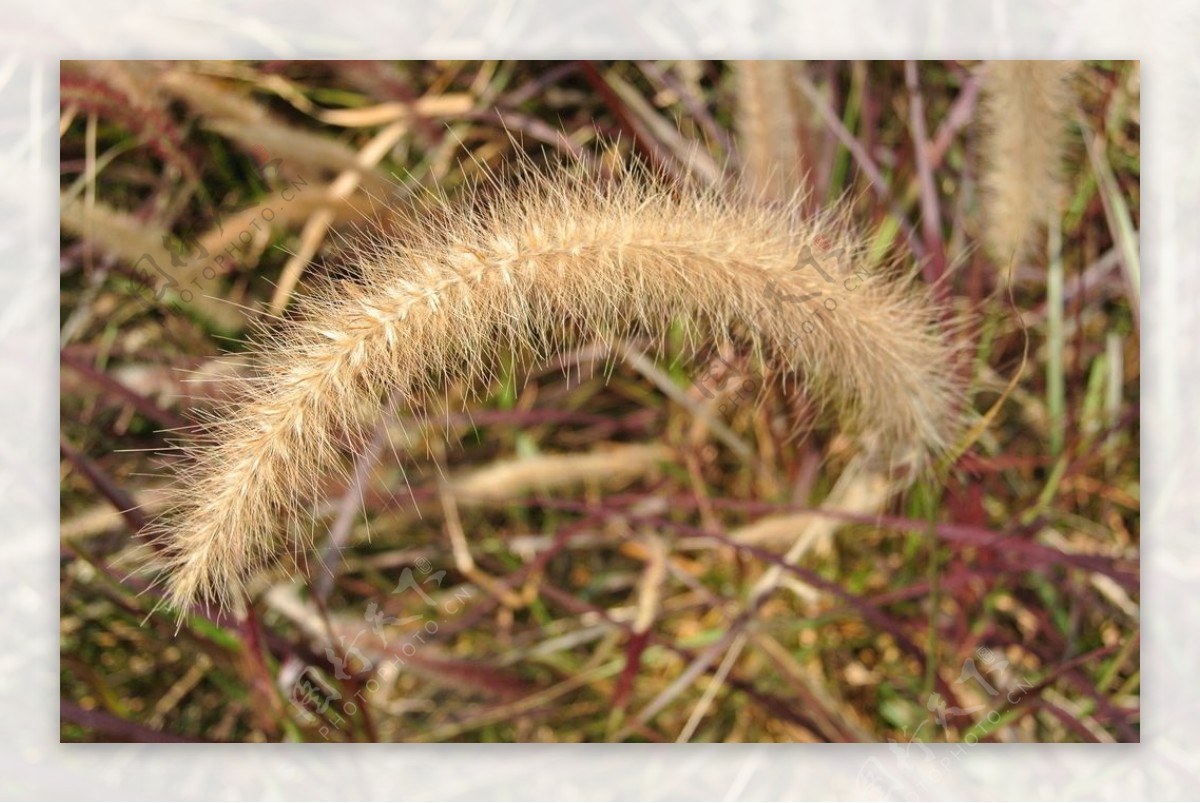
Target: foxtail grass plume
<point x="546" y="263"/>
<point x="772" y="118"/>
<point x="1026" y="106"/>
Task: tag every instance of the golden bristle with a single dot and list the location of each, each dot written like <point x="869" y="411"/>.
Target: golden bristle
<point x="549" y="263"/>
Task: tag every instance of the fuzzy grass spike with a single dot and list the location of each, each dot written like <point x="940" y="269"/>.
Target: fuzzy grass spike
<point x="545" y="264"/>
<point x="1026" y="108"/>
